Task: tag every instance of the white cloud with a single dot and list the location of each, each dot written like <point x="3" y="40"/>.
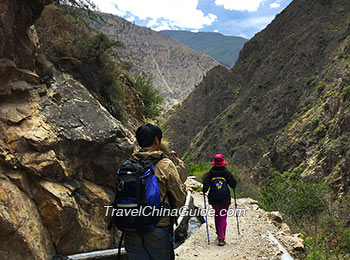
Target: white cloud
<point x="216" y="30"/>
<point x="258" y="23"/>
<point x="195" y="31"/>
<point x="240" y="5"/>
<point x="162" y="26"/>
<point x="178" y="13"/>
<point x="252" y="23"/>
<point x="130" y="19"/>
<point x="275" y="5"/>
<point x="108" y="6"/>
<point x="152" y="23"/>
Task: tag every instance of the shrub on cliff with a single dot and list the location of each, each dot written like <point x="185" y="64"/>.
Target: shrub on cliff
<point x="150" y="96"/>
<point x="91" y="57"/>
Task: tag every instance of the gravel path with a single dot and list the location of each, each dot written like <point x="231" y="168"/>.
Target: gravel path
<point x="253" y="242"/>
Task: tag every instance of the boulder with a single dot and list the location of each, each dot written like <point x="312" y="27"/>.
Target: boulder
<point x="67" y="151"/>
<point x="192" y="185"/>
<point x="74" y="212"/>
<point x="275" y="216"/>
<point x="297" y="242"/>
<point x="22" y="234"/>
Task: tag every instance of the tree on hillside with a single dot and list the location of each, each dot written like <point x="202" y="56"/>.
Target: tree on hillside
<point x="150" y="96"/>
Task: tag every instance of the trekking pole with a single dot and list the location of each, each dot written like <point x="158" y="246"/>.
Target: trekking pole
<point x="206" y="218"/>
<point x="234" y="192"/>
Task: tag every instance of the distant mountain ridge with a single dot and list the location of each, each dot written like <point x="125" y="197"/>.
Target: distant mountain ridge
<point x="176" y="68"/>
<point x="224" y="49"/>
<point x="286" y="102"/>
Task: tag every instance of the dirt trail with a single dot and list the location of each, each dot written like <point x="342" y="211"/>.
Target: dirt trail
<point x="253" y="242"/>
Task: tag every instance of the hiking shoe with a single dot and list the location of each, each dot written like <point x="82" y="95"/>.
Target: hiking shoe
<point x="222" y="243"/>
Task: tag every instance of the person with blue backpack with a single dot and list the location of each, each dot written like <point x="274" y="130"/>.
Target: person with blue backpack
<point x="147" y="182"/>
<point x="217" y="181"/>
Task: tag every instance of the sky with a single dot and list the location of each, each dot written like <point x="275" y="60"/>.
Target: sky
<point x="229" y="17"/>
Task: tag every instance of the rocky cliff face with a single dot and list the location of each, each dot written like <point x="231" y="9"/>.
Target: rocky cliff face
<point x="285" y="104"/>
<point x="176" y="69"/>
<point x="59" y="148"/>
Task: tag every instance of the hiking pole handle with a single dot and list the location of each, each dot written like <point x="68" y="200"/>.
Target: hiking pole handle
<point x="234" y="193"/>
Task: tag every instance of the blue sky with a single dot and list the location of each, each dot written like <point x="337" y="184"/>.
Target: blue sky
<point x="229" y="17"/>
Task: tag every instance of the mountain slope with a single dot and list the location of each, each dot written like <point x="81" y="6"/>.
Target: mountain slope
<point x="176" y="69"/>
<point x="291" y="74"/>
<point x="224" y="49"/>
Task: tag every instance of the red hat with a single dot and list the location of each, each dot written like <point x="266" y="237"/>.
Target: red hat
<point x="219" y="160"/>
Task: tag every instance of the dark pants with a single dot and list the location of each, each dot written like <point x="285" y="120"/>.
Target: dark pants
<point x="155" y="244"/>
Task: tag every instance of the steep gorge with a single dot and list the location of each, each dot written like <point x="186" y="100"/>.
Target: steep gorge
<point x="260" y="113"/>
<point x="284" y="105"/>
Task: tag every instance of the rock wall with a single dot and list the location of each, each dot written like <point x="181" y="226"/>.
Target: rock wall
<point x="59" y="148"/>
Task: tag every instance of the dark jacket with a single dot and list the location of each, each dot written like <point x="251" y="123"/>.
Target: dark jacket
<point x="219" y="172"/>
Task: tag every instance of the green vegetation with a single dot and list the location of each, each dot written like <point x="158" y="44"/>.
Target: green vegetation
<point x="311" y="82"/>
<point x="319" y="249"/>
<point x="283" y="150"/>
<point x="341" y="55"/>
<point x="70" y="44"/>
<point x="322" y="129"/>
<point x="230" y="115"/>
<point x="315" y="122"/>
<point x="264" y="85"/>
<point x="345" y="240"/>
<point x="245" y="188"/>
<point x="268" y="138"/>
<point x="296" y="115"/>
<point x="307" y="132"/>
<point x="236" y="122"/>
<point x="234" y="149"/>
<point x="346" y="92"/>
<point x="256" y="106"/>
<point x="199" y="169"/>
<point x="329" y="94"/>
<point x="83" y="11"/>
<point x="68" y="41"/>
<point x="150" y="96"/>
<point x="306" y="108"/>
<point x="320" y="87"/>
<point x="307" y="207"/>
<point x="303" y="199"/>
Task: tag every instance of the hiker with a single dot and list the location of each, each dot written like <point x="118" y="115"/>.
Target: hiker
<point x="156" y="242"/>
<point x="217" y="181"/>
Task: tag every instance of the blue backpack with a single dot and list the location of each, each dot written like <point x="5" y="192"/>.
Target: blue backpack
<point x="218" y="189"/>
<point x="136" y="189"/>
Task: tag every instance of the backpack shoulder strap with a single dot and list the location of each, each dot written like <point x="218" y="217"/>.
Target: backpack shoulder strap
<point x="156" y="160"/>
<point x="153" y="162"/>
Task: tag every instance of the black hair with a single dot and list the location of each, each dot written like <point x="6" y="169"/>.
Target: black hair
<point x="146" y="134"/>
